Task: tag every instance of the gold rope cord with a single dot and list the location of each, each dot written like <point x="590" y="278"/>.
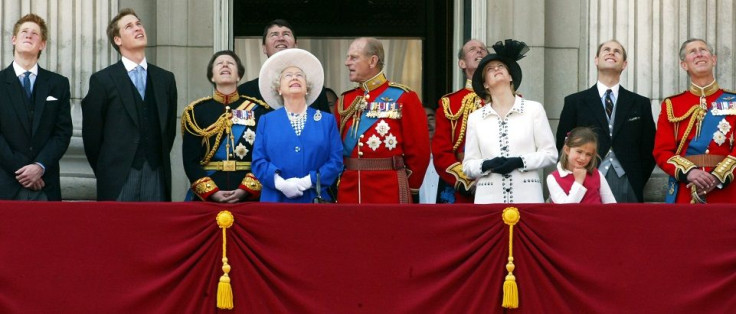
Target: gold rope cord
<point x="671" y="118"/>
<point x="348" y="112"/>
<point x="467" y="107"/>
<point x="510" y="217"/>
<point x="225" y="219"/>
<point x="219" y="127"/>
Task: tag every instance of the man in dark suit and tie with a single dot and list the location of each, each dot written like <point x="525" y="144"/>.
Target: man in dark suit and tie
<point x="129" y="119"/>
<point x="278" y="35"/>
<point x="623" y="121"/>
<point x="35" y="121"/>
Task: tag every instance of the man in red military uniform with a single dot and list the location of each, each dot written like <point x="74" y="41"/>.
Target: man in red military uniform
<point x="384" y="132"/>
<point x="448" y="143"/>
<point x="694" y="143"/>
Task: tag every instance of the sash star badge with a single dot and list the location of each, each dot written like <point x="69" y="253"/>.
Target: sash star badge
<point x="249" y="136"/>
<point x="373" y="142"/>
<point x="241" y="151"/>
<point x="724" y="126"/>
<point x="390" y="142"/>
<point x="382" y="128"/>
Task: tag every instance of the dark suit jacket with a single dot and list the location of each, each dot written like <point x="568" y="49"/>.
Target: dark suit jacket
<point x="250" y="88"/>
<point x="110" y="127"/>
<point x="633" y="130"/>
<point x="44" y="139"/>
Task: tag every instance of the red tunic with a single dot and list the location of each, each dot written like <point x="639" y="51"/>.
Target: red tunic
<point x="670" y="134"/>
<point x="448" y="144"/>
<point x="406" y="136"/>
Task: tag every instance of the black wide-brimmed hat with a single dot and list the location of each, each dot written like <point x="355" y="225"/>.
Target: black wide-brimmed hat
<point x="508" y="52"/>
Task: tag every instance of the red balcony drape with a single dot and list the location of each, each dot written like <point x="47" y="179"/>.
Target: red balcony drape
<point x="93" y="257"/>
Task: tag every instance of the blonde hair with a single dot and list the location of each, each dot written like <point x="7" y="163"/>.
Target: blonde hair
<point x="578" y="137"/>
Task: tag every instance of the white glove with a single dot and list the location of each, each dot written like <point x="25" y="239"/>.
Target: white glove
<point x="289" y="188"/>
<point x="304" y="183"/>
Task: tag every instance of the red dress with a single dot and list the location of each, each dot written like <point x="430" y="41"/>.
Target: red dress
<point x="678" y="120"/>
<point x="392" y="143"/>
<point x="448" y="144"/>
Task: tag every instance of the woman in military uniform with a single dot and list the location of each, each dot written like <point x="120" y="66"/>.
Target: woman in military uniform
<point x="218" y="133"/>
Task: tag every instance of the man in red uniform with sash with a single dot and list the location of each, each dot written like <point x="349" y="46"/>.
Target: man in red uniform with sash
<point x="448" y="143"/>
<point x="695" y="133"/>
<point x="384" y="132"/>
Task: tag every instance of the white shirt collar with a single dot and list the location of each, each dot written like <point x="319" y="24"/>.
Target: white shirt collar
<point x="562" y="171"/>
<point x="602" y="89"/>
<point x="20" y="70"/>
<point x="130" y="65"/>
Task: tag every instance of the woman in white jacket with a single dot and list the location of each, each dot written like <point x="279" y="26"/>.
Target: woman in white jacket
<point x="509" y="140"/>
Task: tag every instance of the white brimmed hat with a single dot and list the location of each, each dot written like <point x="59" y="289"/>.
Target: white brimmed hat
<point x="283" y="59"/>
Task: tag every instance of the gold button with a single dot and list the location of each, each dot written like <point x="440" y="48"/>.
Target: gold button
<point x="361" y="136"/>
<point x="360" y="153"/>
<point x="360" y="144"/>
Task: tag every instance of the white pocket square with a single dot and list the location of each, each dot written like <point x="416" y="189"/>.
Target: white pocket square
<point x="51" y="98"/>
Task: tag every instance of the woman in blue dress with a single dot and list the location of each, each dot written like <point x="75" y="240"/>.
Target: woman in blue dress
<point x="298" y="148"/>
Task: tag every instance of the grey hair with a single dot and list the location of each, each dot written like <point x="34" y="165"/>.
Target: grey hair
<point x="373" y="47"/>
<point x="682" y="48"/>
<point x="276" y="84"/>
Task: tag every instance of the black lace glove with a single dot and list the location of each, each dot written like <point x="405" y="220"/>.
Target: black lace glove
<point x="509" y="165"/>
<point x="492" y="164"/>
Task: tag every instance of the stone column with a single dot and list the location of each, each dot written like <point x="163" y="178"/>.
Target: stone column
<point x="184" y="45"/>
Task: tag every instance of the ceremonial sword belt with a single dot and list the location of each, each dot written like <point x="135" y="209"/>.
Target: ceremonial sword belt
<point x="395" y="163"/>
<point x="227" y="165"/>
<point x="390" y="163"/>
<point x="705" y="160"/>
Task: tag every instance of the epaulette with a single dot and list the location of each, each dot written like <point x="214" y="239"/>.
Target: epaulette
<point x="675" y="95"/>
<point x="257" y="101"/>
<point x="193" y="103"/>
<point x="453" y="93"/>
<point x="729" y="91"/>
<point x="398" y="85"/>
<point x="447" y="95"/>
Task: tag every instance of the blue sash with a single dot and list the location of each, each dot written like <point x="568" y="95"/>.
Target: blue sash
<point x="698" y="145"/>
<point x="351" y="138"/>
<point x="220" y="154"/>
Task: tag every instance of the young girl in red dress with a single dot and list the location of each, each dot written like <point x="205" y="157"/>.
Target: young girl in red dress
<point x="577" y="179"/>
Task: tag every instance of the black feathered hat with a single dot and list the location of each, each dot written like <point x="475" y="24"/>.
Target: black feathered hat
<point x="508" y="52"/>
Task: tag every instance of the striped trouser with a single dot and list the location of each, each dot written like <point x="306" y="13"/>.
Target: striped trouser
<point x="144" y="185"/>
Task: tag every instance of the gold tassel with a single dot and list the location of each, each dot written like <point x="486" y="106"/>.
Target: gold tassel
<point x="510" y="291"/>
<point x="225" y="220"/>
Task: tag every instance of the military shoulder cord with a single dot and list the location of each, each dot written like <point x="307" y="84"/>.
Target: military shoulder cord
<point x="671" y="118"/>
<point x="222" y="125"/>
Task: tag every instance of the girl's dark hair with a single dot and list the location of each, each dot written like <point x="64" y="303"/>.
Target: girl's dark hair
<point x="238" y="64"/>
<point x="578" y="137"/>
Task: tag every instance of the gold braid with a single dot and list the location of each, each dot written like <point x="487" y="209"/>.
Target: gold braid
<point x="348" y="113"/>
<point x="468" y="106"/>
<point x="671" y="118"/>
<point x="219" y="127"/>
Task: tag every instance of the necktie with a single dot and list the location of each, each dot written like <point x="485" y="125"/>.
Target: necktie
<point x="27" y="84"/>
<point x="139" y="81"/>
<point x="609" y="103"/>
